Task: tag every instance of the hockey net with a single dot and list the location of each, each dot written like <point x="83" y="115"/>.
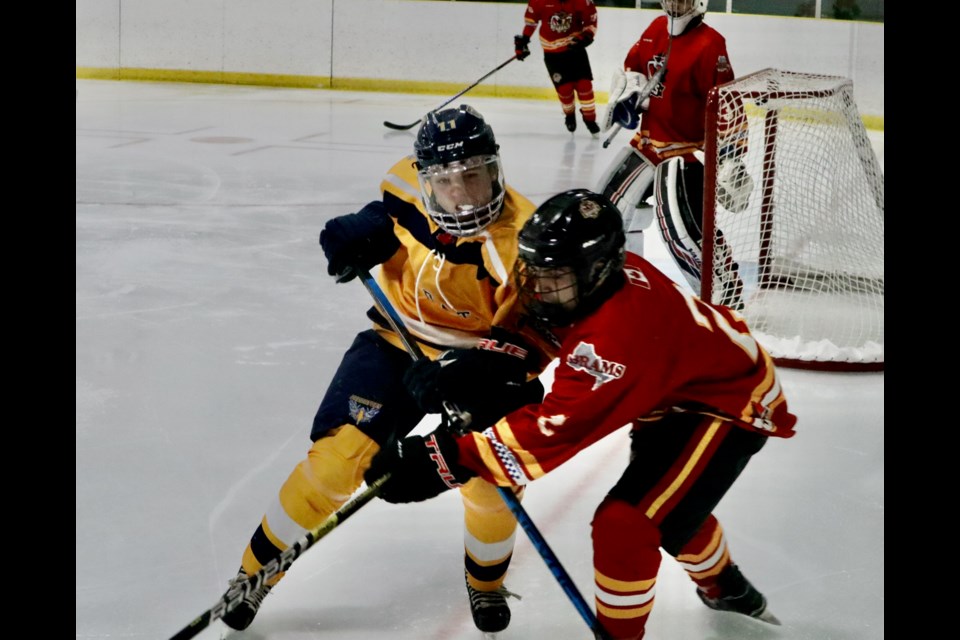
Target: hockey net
<point x="807" y="241"/>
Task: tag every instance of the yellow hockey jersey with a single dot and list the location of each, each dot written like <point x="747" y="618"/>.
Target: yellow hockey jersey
<point x="449" y="291"/>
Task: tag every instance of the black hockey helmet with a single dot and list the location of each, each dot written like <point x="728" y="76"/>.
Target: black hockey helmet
<point x="571" y="256"/>
<point x="453" y="146"/>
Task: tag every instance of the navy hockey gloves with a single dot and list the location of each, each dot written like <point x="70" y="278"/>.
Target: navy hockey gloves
<point x="358" y="240"/>
<point x="521" y="46"/>
<point x="491" y="377"/>
<point x="419" y="467"/>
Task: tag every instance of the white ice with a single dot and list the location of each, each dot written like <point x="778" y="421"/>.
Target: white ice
<point x="207" y="330"/>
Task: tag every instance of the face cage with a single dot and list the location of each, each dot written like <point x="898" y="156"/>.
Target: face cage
<point x="678" y="8"/>
<point x="553" y="313"/>
<point x="469" y="220"/>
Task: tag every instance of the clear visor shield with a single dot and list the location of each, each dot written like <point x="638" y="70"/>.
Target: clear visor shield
<point x="677" y="8"/>
<point x="465" y="196"/>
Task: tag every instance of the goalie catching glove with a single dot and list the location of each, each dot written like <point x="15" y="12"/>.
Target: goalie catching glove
<point x="487" y="381"/>
<point x="734" y="185"/>
<point x="358" y="240"/>
<point x="420" y="468"/>
<point x="625" y="104"/>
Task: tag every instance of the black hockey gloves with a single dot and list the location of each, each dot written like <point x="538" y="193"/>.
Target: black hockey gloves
<point x="582" y="40"/>
<point x="358" y="240"/>
<point x="521" y="46"/>
<point x="420" y="468"/>
<point x="488" y="381"/>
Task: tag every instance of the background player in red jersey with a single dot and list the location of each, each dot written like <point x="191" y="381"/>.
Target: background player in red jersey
<point x="567" y="28"/>
<point x="635" y="348"/>
<point x="445" y="237"/>
<point x="691" y="58"/>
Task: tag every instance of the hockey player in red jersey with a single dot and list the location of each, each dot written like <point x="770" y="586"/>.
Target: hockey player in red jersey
<point x="567" y="28"/>
<point x="445" y="237"/>
<point x="635" y="348"/>
<point x="662" y="157"/>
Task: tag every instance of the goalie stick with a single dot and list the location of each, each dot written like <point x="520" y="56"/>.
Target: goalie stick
<point x="459" y="421"/>
<point x="405" y="127"/>
<point x="238" y="592"/>
<point x="613" y="134"/>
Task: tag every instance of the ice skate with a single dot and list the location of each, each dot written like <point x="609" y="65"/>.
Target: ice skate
<point x="738" y="596"/>
<point x="490" y="610"/>
<point x="241" y="616"/>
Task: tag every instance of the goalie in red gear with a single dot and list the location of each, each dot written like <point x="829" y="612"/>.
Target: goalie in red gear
<point x="635" y="348"/>
<point x="662" y="157"/>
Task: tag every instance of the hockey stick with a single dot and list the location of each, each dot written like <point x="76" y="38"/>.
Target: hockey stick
<point x="616" y="129"/>
<point x="456" y="418"/>
<point x="236" y="594"/>
<point x="405" y="127"/>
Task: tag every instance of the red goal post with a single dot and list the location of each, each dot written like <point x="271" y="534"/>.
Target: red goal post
<point x="807" y="235"/>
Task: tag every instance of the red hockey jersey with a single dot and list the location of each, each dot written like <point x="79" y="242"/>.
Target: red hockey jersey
<point x="560" y="21"/>
<point x="674" y="122"/>
<point x="651" y="348"/>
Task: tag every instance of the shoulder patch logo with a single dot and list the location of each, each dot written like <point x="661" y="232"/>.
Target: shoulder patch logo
<point x="585" y="358"/>
<point x="363" y="410"/>
<point x="636" y="277"/>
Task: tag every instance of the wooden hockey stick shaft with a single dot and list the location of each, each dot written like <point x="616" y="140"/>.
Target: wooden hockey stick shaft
<point x="405" y="127"/>
<point x="281" y="563"/>
<point x="509" y="497"/>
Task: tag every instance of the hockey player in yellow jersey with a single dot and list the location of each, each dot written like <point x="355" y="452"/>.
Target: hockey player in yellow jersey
<point x="445" y="237"/>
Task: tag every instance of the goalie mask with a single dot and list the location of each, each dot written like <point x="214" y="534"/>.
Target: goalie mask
<point x="681" y="12"/>
<point x="458" y="166"/>
<point x="571" y="256"/>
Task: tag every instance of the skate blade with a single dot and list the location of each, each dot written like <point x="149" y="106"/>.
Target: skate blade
<point x="490" y="635"/>
<point x="768" y="617"/>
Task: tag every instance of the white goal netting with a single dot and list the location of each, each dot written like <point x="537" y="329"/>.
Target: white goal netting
<point x="808" y="242"/>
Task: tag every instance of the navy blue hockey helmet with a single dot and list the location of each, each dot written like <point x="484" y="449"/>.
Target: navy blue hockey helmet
<point x="458" y="165"/>
<point x="571" y="256"/>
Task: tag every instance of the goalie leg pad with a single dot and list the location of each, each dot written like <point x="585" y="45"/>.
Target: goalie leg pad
<point x="628" y="182"/>
<point x="679" y="192"/>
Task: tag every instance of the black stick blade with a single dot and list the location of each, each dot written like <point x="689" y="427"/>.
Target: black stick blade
<point x="401" y="127"/>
